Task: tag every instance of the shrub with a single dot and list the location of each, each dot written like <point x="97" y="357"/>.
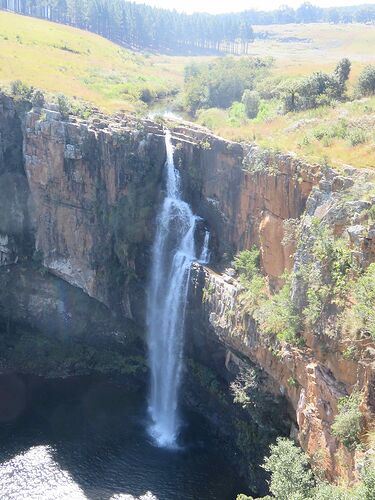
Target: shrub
<point x="317" y="89"/>
<point x="364" y="295"/>
<point x="327" y="277"/>
<point x="291" y="477"/>
<point x="274" y="314"/>
<point x="254" y="293"/>
<point x="64" y="105"/>
<point x="325" y="491"/>
<point x="342" y="70"/>
<point x="21" y="90"/>
<point x="347" y="423"/>
<point x="368" y="478"/>
<point x="38" y="99"/>
<point x="366" y="81"/>
<point x="251" y="100"/>
<point x="237" y="114"/>
<point x="277" y="315"/>
<point x="357" y="136"/>
<point x="247" y="264"/>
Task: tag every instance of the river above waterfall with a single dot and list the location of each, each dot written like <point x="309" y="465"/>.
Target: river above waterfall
<point x="86" y="439"/>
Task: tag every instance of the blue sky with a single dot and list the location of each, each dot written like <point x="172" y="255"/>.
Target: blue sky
<point x="217" y="6"/>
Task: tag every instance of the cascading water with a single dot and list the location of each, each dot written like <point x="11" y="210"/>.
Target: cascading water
<point x="173" y="254"/>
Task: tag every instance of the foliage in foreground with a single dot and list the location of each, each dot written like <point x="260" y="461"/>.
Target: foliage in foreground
<point x="293" y="479"/>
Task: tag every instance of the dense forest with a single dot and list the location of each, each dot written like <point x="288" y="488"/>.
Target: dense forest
<point x="146" y="27"/>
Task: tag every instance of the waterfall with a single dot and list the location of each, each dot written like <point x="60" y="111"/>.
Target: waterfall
<point x="173" y="254"/>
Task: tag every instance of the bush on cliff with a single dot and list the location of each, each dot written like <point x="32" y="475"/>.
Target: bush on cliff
<point x="275" y="313"/>
<point x="292" y="478"/>
<point x="364" y="295"/>
<point x="347" y="425"/>
<point x="328" y="275"/>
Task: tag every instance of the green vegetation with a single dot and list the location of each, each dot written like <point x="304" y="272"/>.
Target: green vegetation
<point x="364" y="296"/>
<point x="292" y="478"/>
<point x="275" y="313"/>
<point x="347" y="424"/>
<point x="318" y="89"/>
<point x="366" y="81"/>
<point x="327" y="277"/>
<point x="221" y="82"/>
<point x="93" y="69"/>
<point x="251" y="101"/>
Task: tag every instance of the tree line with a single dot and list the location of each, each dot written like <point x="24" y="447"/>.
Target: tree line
<point x="142" y="26"/>
<point x="145" y="27"/>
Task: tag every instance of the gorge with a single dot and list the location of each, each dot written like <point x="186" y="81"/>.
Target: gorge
<point x="78" y="244"/>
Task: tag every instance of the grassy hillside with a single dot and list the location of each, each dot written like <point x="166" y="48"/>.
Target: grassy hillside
<point x="58" y="58"/>
<point x="300" y="49"/>
<point x="339" y="134"/>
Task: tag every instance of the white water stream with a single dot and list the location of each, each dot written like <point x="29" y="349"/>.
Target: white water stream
<point x="173" y="254"/>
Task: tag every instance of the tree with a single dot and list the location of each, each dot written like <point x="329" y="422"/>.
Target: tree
<point x="291" y="477"/>
<point x="251" y="100"/>
<point x="366" y="81"/>
<point x="342" y="70"/>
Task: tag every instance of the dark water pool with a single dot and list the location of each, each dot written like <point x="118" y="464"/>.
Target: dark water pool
<point x="86" y="439"/>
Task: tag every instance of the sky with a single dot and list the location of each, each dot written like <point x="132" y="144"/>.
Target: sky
<point x="218" y="6"/>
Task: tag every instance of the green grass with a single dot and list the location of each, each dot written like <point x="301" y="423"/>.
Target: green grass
<point x="61" y="59"/>
<point x="57" y="58"/>
<point x="317" y="134"/>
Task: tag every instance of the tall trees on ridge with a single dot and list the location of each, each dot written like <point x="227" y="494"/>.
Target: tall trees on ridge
<point x="143" y="26"/>
<point x="146" y="27"/>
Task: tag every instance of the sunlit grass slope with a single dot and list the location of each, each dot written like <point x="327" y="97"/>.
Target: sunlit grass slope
<point x="339" y="135"/>
<point x="59" y="58"/>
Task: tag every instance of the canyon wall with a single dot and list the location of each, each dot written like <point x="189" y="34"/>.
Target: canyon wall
<point x="249" y="197"/>
<point x="77" y="207"/>
<point x="78" y="201"/>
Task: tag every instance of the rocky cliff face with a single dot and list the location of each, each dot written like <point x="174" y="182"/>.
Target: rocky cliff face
<point x="77" y="206"/>
<point x="252" y="198"/>
<point x="95" y="190"/>
<point x="244" y="194"/>
<point x="78" y="200"/>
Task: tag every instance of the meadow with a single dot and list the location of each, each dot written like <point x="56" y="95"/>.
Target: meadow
<point x="62" y="59"/>
<point x="58" y="58"/>
<point x="339" y="134"/>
